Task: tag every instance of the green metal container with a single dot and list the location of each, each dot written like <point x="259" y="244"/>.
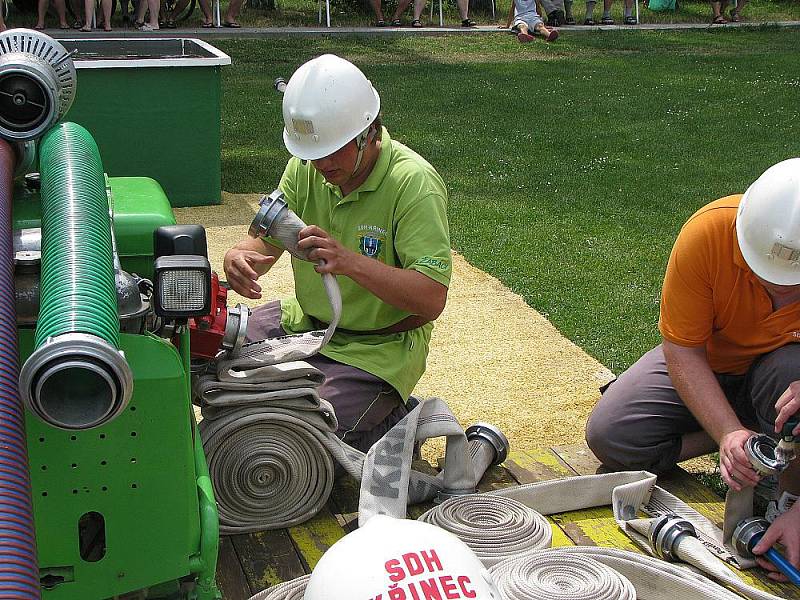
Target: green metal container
<point x="153" y="106"/>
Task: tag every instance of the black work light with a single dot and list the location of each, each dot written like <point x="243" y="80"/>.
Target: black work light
<point x="181" y="272"/>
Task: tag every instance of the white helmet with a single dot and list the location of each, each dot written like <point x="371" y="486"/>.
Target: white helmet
<point x="327" y="103"/>
<point x="768" y="224"/>
<point x="400" y="559"/>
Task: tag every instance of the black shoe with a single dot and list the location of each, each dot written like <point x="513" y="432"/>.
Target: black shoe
<point x="556" y="18"/>
<point x="468" y="23"/>
<point x="570" y="20"/>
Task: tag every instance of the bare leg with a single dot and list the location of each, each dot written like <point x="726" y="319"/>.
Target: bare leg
<point x="233" y="11"/>
<point x="154" y="6"/>
<point x="41" y="11"/>
<point x="401" y="8"/>
<point x="696" y="444"/>
<point x="208" y="16"/>
<point x="716" y="12"/>
<point x="3" y="26"/>
<point x="179" y="6"/>
<point x="140" y="10"/>
<point x="376" y="8"/>
<point x="106" y="6"/>
<point x="88" y="15"/>
<point x="419" y="7"/>
<point x="463" y="9"/>
<point x="548" y="34"/>
<point x="61" y="11"/>
<point x="736" y="11"/>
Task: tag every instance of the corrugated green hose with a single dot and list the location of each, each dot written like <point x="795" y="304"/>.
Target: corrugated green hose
<point x="77" y="282"/>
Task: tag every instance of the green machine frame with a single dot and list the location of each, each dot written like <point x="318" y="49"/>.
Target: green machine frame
<point x="126" y="509"/>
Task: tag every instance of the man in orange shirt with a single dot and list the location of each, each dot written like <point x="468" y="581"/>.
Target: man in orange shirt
<point x="729" y="362"/>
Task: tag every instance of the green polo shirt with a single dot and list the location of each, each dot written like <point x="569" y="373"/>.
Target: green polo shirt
<point x="397" y="216"/>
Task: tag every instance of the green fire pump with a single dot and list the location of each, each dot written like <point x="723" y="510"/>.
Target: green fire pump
<point x="104" y="487"/>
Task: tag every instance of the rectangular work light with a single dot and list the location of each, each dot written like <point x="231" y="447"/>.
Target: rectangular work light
<point x="182" y="286"/>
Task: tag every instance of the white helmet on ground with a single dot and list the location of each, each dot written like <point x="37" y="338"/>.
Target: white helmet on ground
<point x="768" y="224"/>
<point x="327" y="103"/>
<point x="400" y="559"/>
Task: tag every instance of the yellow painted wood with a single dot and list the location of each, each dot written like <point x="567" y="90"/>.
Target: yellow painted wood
<point x="540" y="464"/>
<point x="594" y="527"/>
<point x="314" y="537"/>
<point x="560" y="539"/>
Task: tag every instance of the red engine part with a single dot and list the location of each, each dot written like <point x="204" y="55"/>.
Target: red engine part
<point x="206" y="332"/>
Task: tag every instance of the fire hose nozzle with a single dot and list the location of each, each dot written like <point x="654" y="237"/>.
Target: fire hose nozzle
<point x="491" y="434"/>
<point x="666" y="532"/>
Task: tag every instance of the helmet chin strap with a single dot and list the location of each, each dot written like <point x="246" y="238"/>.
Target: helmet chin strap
<point x="363" y="140"/>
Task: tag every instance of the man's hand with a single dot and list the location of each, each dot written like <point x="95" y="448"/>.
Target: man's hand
<point x="242" y="269"/>
<point x="785" y="530"/>
<point x="734" y="465"/>
<point x="787" y="406"/>
<point x="337" y="259"/>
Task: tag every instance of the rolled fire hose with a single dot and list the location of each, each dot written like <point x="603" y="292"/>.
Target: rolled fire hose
<point x="76" y="378"/>
<point x="270" y="440"/>
<point x="467" y="518"/>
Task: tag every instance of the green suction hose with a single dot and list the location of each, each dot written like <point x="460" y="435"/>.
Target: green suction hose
<point x="76" y="378"/>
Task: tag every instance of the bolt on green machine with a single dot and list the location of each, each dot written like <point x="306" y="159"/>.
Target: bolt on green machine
<point x="114" y="500"/>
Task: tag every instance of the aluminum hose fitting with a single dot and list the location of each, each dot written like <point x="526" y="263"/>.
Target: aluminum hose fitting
<point x="271" y="208"/>
<point x="487" y="432"/>
<point x="76" y="381"/>
<point x="666" y="532"/>
<point x="760" y="450"/>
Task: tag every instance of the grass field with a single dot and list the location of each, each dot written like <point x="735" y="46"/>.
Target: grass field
<point x="571" y="167"/>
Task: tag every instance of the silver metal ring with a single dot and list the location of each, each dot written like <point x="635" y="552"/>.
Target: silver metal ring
<point x="492" y="434"/>
<point x="665" y="533"/>
<point x="760" y="450"/>
<point x="81" y="351"/>
<point x="744" y="533"/>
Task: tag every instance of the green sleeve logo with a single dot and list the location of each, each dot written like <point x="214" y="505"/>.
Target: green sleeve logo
<point x="433" y="262"/>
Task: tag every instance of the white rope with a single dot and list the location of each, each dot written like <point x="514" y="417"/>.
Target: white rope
<point x="289" y="590"/>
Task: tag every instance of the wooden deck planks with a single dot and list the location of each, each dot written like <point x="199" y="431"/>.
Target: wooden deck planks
<point x="267" y="558"/>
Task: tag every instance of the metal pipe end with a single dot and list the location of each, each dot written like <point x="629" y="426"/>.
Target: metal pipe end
<point x="490" y="433"/>
<point x="761" y="451"/>
<point x="270" y="208"/>
<point x="665" y="533"/>
<point x="746" y="535"/>
<point x="76" y="381"/>
<point x="236" y="328"/>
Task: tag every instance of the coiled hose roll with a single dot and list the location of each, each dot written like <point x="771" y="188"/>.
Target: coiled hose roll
<point x="76" y="378"/>
<point x="19" y="571"/>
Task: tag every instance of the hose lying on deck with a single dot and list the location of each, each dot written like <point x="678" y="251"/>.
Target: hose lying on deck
<point x="19" y="571"/>
<point x="76" y="378"/>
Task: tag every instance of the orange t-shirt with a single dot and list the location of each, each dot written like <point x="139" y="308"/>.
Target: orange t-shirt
<point x="711" y="297"/>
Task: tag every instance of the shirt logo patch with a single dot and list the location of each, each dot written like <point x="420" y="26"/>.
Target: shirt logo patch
<point x="370" y="245"/>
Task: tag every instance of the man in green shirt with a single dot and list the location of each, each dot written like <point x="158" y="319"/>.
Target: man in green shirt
<point x="377" y="218"/>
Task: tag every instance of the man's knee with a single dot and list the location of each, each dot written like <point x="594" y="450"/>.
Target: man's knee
<point x="769" y="377"/>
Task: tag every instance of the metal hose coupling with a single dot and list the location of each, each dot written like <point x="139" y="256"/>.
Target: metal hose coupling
<point x="76" y="381"/>
<point x="490" y="434"/>
<point x="666" y="532"/>
<point x="761" y="451"/>
<point x="748" y="533"/>
<point x="275" y="219"/>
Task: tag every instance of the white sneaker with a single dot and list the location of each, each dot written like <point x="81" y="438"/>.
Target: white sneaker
<point x="777" y="507"/>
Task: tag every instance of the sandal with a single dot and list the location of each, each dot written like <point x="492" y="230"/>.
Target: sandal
<point x="553" y="36"/>
<point x="589" y="22"/>
<point x="630" y="20"/>
<point x="170" y="24"/>
<point x="569" y="21"/>
<point x="207" y="25"/>
<point x="468" y="23"/>
<point x="380" y="23"/>
<point x="396" y="23"/>
<point x="606" y="21"/>
<point x="524" y="36"/>
<point x="734" y="16"/>
<point x="720" y="20"/>
<point x="416" y="23"/>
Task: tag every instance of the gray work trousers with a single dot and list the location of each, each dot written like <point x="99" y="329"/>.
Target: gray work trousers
<point x="640" y="418"/>
<point x="366" y="406"/>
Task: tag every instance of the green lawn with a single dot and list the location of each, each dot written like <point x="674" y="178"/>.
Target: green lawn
<point x="572" y="166"/>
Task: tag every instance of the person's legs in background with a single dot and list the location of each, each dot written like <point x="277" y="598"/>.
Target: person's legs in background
<point x="463" y="11"/>
<point x="607" y="18"/>
<point x="589" y="17"/>
<point x="232" y="14"/>
<point x="718" y="12"/>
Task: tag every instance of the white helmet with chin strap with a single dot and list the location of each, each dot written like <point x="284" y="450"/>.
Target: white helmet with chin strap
<point x="768" y="224"/>
<point x="327" y="103"/>
<point x="400" y="559"/>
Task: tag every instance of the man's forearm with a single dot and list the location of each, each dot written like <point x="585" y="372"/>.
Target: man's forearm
<point x="699" y="389"/>
<point x="405" y="289"/>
